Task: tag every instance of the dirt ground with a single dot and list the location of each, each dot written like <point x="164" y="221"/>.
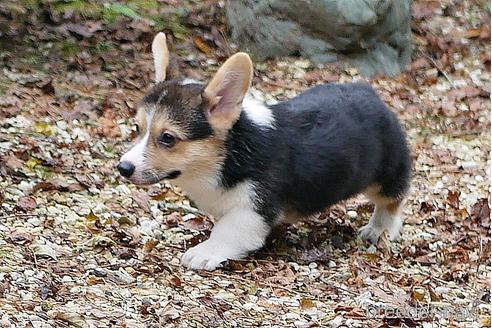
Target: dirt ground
<point x="81" y="247"/>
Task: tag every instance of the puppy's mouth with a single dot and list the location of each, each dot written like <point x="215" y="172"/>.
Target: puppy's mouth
<point x="173" y="175"/>
<point x="151" y="177"/>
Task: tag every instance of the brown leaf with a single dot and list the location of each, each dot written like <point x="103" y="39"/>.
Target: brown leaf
<point x="306" y="303"/>
<point x="426" y="260"/>
<point x="27" y="203"/>
<point x="150" y="245"/>
<point x="74" y="319"/>
<point x="142" y="199"/>
<point x="48" y="88"/>
<point x="425" y="9"/>
<point x="316" y="254"/>
<point x="93" y="222"/>
<point x="108" y="126"/>
<point x="453" y="199"/>
<point x="236" y="266"/>
<point x="419" y="63"/>
<point x="371" y="257"/>
<point x="83" y="109"/>
<point x="464" y="92"/>
<point x="473" y="33"/>
<point x="356" y="312"/>
<point x="78" y="29"/>
<point x="485" y="33"/>
<point x="397" y="300"/>
<point x="418" y="294"/>
<point x="63" y="185"/>
<point x="475" y="105"/>
<point x="173" y="219"/>
<point x="163" y="195"/>
<point x="43" y="185"/>
<point x="202" y="45"/>
<point x="433" y="295"/>
<point x="20" y="238"/>
<point x="482" y="32"/>
<point x="48" y="290"/>
<point x="125" y="253"/>
<point x="195" y="240"/>
<point x="320" y="75"/>
<point x="12" y="161"/>
<point x="283" y="277"/>
<point x="198" y="223"/>
<point x="100" y="242"/>
<point x="426" y="207"/>
<point x="448" y="108"/>
<point x="219" y="305"/>
<point x="87" y="181"/>
<point x="219" y="40"/>
<point x="174" y="281"/>
<point x="384" y="244"/>
<point x="480" y="212"/>
<point x="142" y="25"/>
<point x="84" y="180"/>
<point x="253" y="289"/>
<point x="343" y="308"/>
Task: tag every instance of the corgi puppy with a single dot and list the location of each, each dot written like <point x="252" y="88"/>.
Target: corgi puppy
<point x="252" y="166"/>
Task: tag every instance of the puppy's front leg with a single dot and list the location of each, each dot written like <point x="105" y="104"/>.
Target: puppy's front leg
<point x="236" y="234"/>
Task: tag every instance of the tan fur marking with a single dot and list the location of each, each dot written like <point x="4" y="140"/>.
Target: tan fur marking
<point x="393" y="207"/>
<point x="239" y="63"/>
<point x="192" y="157"/>
<point x="223" y="123"/>
<point x="386" y="215"/>
<point x="238" y="69"/>
<point x="161" y="123"/>
<point x="140" y="118"/>
<point x="373" y="192"/>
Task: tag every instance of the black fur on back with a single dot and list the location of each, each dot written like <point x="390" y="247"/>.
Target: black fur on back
<point x="329" y="143"/>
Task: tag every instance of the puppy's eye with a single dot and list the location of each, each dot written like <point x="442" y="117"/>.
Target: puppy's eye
<point x="167" y="140"/>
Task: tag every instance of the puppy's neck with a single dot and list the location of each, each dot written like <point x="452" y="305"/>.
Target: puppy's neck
<point x="247" y="151"/>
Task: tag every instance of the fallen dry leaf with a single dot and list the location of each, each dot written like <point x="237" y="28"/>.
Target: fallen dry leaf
<point x="306" y="303"/>
<point x="425" y="9"/>
<point x="27" y="203"/>
<point x="202" y="45"/>
<point x="481" y="212"/>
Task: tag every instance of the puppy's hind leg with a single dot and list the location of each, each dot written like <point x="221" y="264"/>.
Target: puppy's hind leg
<point x="386" y="216"/>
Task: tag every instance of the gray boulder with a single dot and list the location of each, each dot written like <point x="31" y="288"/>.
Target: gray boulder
<point x="373" y="34"/>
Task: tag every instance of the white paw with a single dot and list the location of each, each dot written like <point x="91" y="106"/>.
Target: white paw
<point x="371" y="233"/>
<point x="207" y="255"/>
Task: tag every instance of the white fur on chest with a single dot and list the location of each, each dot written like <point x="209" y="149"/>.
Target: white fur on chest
<point x="215" y="200"/>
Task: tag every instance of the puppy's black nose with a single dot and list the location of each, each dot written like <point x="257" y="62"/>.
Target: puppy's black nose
<point x="126" y="169"/>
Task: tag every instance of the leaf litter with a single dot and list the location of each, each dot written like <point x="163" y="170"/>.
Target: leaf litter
<point x="81" y="247"/>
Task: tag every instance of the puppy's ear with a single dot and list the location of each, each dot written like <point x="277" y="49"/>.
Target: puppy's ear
<point x="161" y="56"/>
<point x="225" y="93"/>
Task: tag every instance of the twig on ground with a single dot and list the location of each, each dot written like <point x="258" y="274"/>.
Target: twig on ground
<point x="439" y="68"/>
<point x="16" y="215"/>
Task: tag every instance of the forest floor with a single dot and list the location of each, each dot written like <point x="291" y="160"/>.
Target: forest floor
<point x="79" y="246"/>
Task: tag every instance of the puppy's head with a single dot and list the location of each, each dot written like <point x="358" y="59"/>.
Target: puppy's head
<point x="182" y="126"/>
